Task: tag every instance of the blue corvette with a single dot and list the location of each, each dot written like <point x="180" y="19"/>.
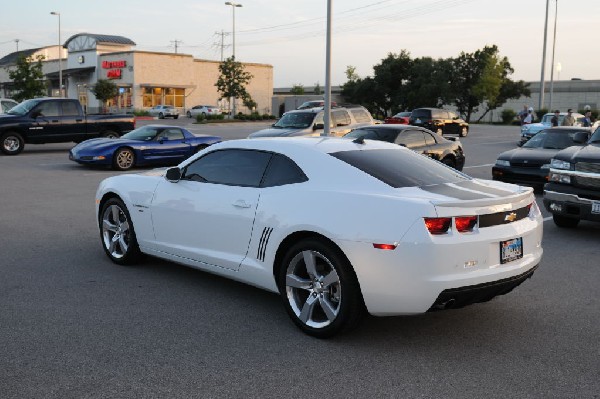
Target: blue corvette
<point x="148" y="145"/>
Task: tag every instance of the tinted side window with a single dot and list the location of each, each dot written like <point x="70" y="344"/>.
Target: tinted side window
<point x="231" y="167"/>
<point x="341" y="118"/>
<point x="172" y="134"/>
<point x="429" y="139"/>
<point x="411" y="138"/>
<point x="282" y="170"/>
<point x="360" y="116"/>
<point x="400" y="168"/>
<point x="48" y="108"/>
<point x="367" y="134"/>
<point x="69" y="108"/>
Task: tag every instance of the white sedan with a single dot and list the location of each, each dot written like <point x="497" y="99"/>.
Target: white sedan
<point x="203" y="110"/>
<point x="335" y="226"/>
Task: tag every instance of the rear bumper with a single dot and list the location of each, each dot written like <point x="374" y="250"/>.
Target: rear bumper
<point x="459" y="297"/>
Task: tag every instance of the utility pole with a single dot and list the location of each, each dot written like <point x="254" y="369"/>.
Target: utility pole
<point x="553" y="51"/>
<point x="17" y="41"/>
<point x="222" y="45"/>
<point x="176" y="43"/>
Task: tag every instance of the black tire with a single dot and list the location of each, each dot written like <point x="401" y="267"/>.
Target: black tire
<point x="204" y="115"/>
<point x="110" y="134"/>
<point x="176" y="117"/>
<point x="12" y="143"/>
<point x="161" y="116"/>
<point x="564" y="221"/>
<point x="124" y="159"/>
<point x="449" y="162"/>
<point x="189" y="114"/>
<point x="330" y="298"/>
<point x="117" y="234"/>
<point x="463" y="131"/>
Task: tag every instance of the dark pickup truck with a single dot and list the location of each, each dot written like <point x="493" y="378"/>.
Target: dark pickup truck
<point x="573" y="191"/>
<point x="56" y="120"/>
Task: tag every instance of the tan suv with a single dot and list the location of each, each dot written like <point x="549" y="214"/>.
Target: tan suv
<point x="309" y="122"/>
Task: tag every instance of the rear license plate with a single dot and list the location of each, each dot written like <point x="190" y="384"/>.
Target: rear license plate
<point x="596" y="207"/>
<point x="511" y="250"/>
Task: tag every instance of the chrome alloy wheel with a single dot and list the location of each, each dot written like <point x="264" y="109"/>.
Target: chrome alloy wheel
<point x="313" y="289"/>
<point x="115" y="231"/>
<point x="124" y="159"/>
<point x="11" y="143"/>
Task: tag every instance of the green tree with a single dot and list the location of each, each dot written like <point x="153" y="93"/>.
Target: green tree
<point x="28" y="77"/>
<point x="427" y="84"/>
<point x="104" y="90"/>
<point x="391" y="77"/>
<point x="297" y="90"/>
<point x="317" y="89"/>
<point x="233" y="80"/>
<point x="351" y="74"/>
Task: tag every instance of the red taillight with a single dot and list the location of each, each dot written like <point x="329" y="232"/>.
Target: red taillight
<point x="388" y="247"/>
<point x="465" y="224"/>
<point x="438" y="225"/>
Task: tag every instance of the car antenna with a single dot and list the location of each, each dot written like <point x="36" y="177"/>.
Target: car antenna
<point x="359" y="140"/>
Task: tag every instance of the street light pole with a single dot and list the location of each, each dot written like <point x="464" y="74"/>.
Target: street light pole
<point x="327" y="116"/>
<point x="542" y="81"/>
<point x="233" y="6"/>
<point x="553" y="50"/>
<point x="59" y="56"/>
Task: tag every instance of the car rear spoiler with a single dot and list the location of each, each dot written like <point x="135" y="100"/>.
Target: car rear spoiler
<point x="517" y="197"/>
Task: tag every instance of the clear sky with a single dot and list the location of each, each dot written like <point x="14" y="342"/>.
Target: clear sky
<point x="290" y="35"/>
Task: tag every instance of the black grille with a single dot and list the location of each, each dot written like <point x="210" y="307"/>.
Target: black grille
<point x="587" y="182"/>
<point x="494" y="219"/>
<point x="526" y="164"/>
<point x="587" y="167"/>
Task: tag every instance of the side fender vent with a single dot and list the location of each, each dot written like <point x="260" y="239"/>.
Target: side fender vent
<point x="262" y="245"/>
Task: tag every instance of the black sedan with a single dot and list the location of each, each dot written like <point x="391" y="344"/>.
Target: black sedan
<point x="418" y="139"/>
<point x="529" y="165"/>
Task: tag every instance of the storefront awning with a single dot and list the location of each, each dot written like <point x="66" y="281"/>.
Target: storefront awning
<point x="71" y="71"/>
<point x="167" y="85"/>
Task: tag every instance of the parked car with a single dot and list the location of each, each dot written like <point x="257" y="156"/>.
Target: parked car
<point x="315" y="104"/>
<point x="148" y="145"/>
<point x="402" y="118"/>
<point x="416" y="138"/>
<point x="203" y="110"/>
<point x="310" y="122"/>
<point x="573" y="191"/>
<point x="531" y="129"/>
<point x="440" y="121"/>
<point x="530" y="164"/>
<point x="56" y="120"/>
<point x="6" y="105"/>
<point x="335" y="227"/>
<point x="164" y="111"/>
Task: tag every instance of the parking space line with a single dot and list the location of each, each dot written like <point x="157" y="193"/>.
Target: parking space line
<point x="478" y="166"/>
<point x="547" y="218"/>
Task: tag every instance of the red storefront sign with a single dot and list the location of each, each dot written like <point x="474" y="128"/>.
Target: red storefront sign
<point x="113" y="72"/>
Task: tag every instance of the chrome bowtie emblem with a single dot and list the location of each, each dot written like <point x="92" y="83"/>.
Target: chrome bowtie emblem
<point x="510" y="217"/>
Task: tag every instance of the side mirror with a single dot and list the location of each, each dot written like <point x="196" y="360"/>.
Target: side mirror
<point x="35" y="113"/>
<point x="580" y="138"/>
<point x="317" y="126"/>
<point x="173" y="175"/>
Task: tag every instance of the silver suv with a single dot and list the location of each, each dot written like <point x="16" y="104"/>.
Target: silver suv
<point x="309" y="122"/>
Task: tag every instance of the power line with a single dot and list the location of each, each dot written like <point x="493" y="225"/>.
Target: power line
<point x="176" y="44"/>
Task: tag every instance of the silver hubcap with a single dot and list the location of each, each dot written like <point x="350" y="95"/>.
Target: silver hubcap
<point x="125" y="159"/>
<point x="11" y="143"/>
<point x="115" y="231"/>
<point x="313" y="289"/>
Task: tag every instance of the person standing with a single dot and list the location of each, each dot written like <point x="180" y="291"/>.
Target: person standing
<point x="587" y="120"/>
<point x="529" y="117"/>
<point x="569" y="118"/>
<point x="554" y="120"/>
<point x="523" y="114"/>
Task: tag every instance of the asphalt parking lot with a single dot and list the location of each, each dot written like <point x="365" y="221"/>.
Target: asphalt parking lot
<point x="74" y="325"/>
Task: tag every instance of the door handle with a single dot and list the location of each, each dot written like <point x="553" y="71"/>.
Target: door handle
<point x="241" y="204"/>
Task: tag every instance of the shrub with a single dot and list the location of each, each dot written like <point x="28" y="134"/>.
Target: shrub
<point x="508" y="115"/>
<point x="141" y="112"/>
<point x="200" y="118"/>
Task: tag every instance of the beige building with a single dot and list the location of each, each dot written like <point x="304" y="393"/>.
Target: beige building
<point x="145" y="79"/>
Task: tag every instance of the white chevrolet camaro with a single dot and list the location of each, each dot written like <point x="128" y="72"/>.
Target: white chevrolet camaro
<point x="336" y="227"/>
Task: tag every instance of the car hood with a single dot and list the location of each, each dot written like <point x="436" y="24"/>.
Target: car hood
<point x="533" y="155"/>
<point x="274" y="132"/>
<point x="588" y="153"/>
<point x="535" y="127"/>
<point x="103" y="143"/>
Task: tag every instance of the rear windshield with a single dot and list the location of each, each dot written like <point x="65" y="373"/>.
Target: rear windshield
<point x="400" y="168"/>
<point x="421" y="113"/>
